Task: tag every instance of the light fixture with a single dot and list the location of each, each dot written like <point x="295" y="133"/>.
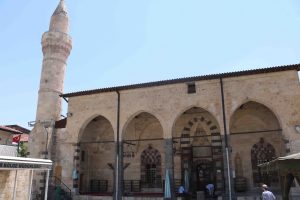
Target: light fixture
<point x="297" y="128"/>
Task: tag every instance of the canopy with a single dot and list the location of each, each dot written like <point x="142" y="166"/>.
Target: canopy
<point x="17" y="163"/>
<point x="20" y="163"/>
<point x="288" y="168"/>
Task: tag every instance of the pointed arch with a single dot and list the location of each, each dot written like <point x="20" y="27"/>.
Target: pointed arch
<point x="203" y="116"/>
<point x="182" y="111"/>
<point x="96" y="147"/>
<point x="143" y="149"/>
<point x="252" y="116"/>
<point x="197" y="145"/>
<point x="247" y="100"/>
<point x="253" y="128"/>
<point x="147" y="119"/>
<point x="87" y="121"/>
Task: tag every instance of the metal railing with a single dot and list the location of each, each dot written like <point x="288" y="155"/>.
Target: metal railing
<point x="97" y="186"/>
<point x="58" y="190"/>
<point x="130" y="186"/>
<point x="8" y="150"/>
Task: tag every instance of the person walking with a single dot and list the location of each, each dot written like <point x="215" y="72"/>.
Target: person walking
<point x="266" y="194"/>
<point x="181" y="191"/>
<point x="210" y="190"/>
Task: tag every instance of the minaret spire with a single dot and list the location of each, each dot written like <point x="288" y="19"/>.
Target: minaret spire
<point x="61" y="9"/>
<point x="60" y="20"/>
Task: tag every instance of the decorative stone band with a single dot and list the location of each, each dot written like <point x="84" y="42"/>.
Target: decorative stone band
<point x="287" y="144"/>
<point x="56" y="42"/>
<point x="49" y="90"/>
<point x="63" y="50"/>
<point x="77" y="153"/>
<point x="216" y="145"/>
<point x="76" y="164"/>
<point x="53" y="58"/>
<point x="185" y="135"/>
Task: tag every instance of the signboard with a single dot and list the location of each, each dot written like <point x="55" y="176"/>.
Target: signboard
<point x="12" y="163"/>
<point x="19" y="165"/>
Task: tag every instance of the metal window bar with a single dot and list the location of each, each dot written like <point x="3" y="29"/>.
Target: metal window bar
<point x="97" y="186"/>
<point x="131" y="186"/>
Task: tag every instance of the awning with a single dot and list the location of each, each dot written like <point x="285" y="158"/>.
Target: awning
<point x="284" y="164"/>
<point x="288" y="168"/>
<point x="18" y="163"/>
<point x="31" y="164"/>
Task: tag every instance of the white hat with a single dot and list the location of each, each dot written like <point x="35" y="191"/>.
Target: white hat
<point x="264" y="186"/>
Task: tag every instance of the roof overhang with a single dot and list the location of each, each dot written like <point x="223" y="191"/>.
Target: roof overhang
<point x="295" y="67"/>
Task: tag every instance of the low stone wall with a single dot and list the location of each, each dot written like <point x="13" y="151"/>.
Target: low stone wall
<point x="257" y="197"/>
<point x="83" y="197"/>
<point x="7" y="179"/>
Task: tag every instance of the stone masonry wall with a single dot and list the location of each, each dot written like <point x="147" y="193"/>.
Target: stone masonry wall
<point x="278" y="91"/>
<point x="7" y="179"/>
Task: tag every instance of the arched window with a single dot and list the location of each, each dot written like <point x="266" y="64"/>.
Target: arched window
<point x="151" y="168"/>
<point x="261" y="152"/>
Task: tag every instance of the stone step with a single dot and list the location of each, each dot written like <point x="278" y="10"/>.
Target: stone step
<point x="85" y="197"/>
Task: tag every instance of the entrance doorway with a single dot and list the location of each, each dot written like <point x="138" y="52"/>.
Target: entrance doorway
<point x="197" y="147"/>
<point x="204" y="174"/>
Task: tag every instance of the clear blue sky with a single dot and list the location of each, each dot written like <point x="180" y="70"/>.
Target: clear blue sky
<point x="117" y="42"/>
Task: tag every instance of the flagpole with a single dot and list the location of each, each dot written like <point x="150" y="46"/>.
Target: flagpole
<point x="18" y="148"/>
<point x="17" y="140"/>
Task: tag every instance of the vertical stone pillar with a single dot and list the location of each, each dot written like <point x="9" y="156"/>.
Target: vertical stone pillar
<point x="228" y="176"/>
<point x="121" y="169"/>
<point x="76" y="172"/>
<point x="169" y="163"/>
<point x="118" y="172"/>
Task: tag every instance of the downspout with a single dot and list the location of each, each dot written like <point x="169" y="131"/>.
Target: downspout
<point x="118" y="185"/>
<point x="226" y="140"/>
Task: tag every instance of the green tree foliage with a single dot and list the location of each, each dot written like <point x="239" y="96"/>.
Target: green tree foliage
<point x="23" y="150"/>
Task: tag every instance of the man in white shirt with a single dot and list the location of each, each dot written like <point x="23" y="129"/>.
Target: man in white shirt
<point x="210" y="188"/>
<point x="266" y="194"/>
<point x="181" y="191"/>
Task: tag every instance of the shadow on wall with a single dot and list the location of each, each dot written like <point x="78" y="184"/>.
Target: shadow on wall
<point x="4" y="176"/>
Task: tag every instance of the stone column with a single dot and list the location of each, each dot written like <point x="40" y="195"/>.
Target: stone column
<point x="118" y="172"/>
<point x="169" y="163"/>
<point x="228" y="171"/>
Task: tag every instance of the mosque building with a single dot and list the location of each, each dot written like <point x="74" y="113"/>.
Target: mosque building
<point x="130" y="140"/>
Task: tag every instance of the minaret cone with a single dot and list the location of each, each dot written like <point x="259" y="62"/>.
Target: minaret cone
<point x="60" y="20"/>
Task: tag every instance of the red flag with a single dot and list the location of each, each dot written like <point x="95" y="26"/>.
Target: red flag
<point x="17" y="139"/>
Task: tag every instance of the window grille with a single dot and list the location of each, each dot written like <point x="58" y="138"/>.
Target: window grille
<point x="191" y="88"/>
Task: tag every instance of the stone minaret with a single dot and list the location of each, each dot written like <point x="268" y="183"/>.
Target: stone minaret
<point x="56" y="45"/>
